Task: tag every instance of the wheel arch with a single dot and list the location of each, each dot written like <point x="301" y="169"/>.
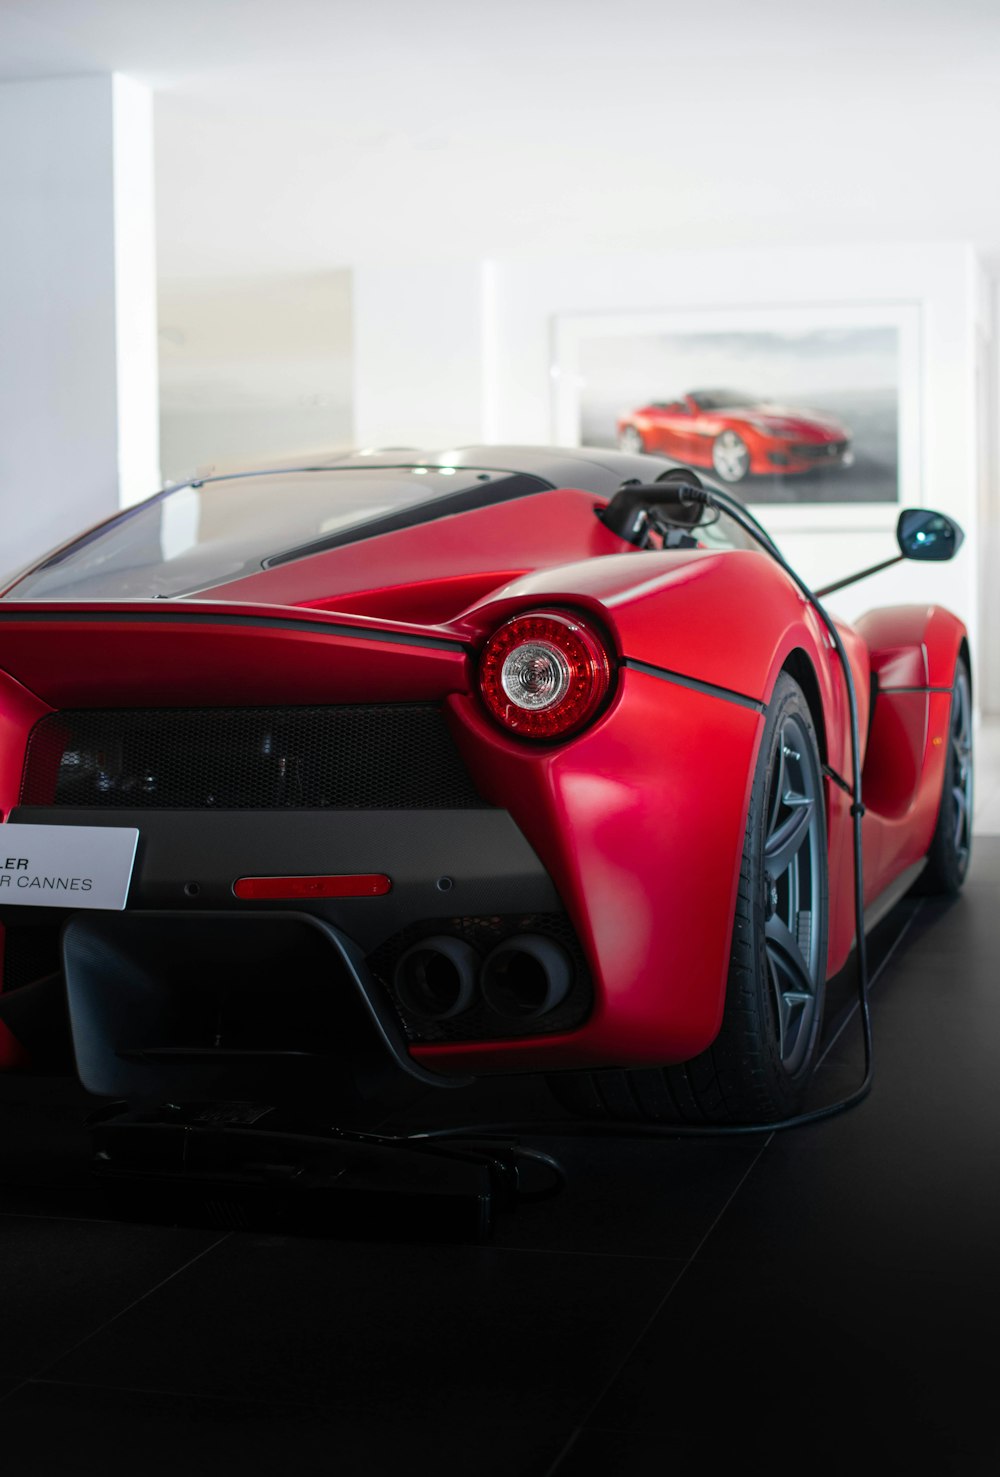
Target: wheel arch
<point x="913" y="645"/>
<point x="798" y="665"/>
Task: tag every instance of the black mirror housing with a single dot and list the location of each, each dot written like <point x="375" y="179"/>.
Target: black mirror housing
<point x="923" y="534"/>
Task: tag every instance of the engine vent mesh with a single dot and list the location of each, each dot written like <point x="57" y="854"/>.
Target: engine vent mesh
<point x="372" y="756"/>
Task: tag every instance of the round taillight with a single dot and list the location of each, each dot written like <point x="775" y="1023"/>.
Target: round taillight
<point x="544" y="675"/>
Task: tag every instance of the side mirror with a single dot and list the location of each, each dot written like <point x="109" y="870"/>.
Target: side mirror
<point x="923" y="534"/>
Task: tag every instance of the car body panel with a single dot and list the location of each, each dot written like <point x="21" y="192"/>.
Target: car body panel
<point x="635" y="825"/>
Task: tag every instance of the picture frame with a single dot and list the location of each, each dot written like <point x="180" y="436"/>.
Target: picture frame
<point x="868" y="356"/>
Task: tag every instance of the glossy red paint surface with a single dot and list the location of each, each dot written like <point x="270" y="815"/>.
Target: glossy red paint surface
<point x="442" y="566"/>
<point x="107" y="656"/>
<point x="644" y="857"/>
<point x="639" y="819"/>
<point x="780" y="440"/>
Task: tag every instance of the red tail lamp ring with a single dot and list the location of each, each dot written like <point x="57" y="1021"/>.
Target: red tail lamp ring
<point x="544" y="675"/>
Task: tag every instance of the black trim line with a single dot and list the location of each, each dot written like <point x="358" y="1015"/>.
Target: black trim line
<point x="709" y="688"/>
<point x="914" y="689"/>
<point x="177" y="617"/>
<point x="463" y="500"/>
<point x="837" y="779"/>
<point x="379" y="1012"/>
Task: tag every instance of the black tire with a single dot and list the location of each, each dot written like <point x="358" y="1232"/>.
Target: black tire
<point x="951" y="847"/>
<point x="730" y="457"/>
<point x="630" y="439"/>
<point x="758" y="1067"/>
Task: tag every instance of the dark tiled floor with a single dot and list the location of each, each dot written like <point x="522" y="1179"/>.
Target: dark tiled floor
<point x="818" y="1300"/>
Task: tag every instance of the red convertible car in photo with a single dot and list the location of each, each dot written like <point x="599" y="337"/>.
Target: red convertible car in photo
<point x="735" y="435"/>
<point x="493" y="760"/>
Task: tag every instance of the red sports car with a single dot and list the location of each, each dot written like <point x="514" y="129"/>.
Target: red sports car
<point x="736" y="436"/>
<point x="453" y="764"/>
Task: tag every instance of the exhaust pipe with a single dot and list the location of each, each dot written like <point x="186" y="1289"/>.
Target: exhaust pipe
<point x="436" y="978"/>
<point x="527" y="975"/>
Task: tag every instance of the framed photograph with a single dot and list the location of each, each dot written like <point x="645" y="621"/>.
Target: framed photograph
<point x="813" y="412"/>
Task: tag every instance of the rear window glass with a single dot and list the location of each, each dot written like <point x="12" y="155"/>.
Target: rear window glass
<point x="196" y="536"/>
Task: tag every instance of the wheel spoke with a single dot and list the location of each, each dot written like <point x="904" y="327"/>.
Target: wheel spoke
<point x="794" y="992"/>
<point x="960" y="765"/>
<point x="793" y="870"/>
<point x="783" y="948"/>
<point x="786" y="840"/>
<point x="777" y="788"/>
<point x="961" y="815"/>
<point x="792" y="1012"/>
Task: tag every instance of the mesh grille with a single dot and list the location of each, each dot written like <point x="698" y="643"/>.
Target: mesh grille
<point x="29" y="954"/>
<point x="388" y="756"/>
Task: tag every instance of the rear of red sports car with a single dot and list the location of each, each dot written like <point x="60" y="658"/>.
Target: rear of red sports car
<point x="306" y="720"/>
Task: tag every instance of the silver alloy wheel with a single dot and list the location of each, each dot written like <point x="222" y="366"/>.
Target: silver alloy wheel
<point x="793" y="888"/>
<point x="960" y="739"/>
<point x="630" y="439"/>
<point x="730" y="456"/>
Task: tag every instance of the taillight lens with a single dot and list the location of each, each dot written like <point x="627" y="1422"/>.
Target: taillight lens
<point x="544" y="675"/>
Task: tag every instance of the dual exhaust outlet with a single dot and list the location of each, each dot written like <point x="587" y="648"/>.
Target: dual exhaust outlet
<point x="527" y="975"/>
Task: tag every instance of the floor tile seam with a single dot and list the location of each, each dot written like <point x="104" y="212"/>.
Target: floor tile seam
<point x="320" y="1408"/>
<point x="622" y="1256"/>
<point x="177" y="1393"/>
<point x="564" y="1451"/>
<point x="668" y="1294"/>
<point x="872" y="982"/>
<point x="65" y="1353"/>
<point x="79" y="1220"/>
<point x="617" y="1256"/>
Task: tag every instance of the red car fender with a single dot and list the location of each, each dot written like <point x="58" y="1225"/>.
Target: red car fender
<point x="913" y="645"/>
<point x="732" y="620"/>
<point x="914" y="649"/>
<point x="721" y="617"/>
<point x="640" y="823"/>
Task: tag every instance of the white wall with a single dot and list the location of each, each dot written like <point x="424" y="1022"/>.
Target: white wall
<point x="988" y="433"/>
<point x="419" y="363"/>
<point x="77" y="307"/>
<point x="494" y="380"/>
<point x="253" y="369"/>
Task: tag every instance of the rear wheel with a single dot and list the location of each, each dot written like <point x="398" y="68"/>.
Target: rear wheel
<point x="951" y="848"/>
<point x="759" y="1064"/>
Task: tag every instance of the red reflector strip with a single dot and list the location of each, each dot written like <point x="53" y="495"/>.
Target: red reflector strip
<point x="367" y="884"/>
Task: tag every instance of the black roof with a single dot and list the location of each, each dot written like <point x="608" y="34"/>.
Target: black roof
<point x="595" y="469"/>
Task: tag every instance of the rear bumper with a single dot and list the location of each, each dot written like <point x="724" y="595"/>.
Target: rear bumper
<point x="440" y="862"/>
<point x="458" y="873"/>
<point x="631" y="834"/>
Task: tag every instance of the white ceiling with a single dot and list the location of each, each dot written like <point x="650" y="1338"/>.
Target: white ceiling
<point x="296" y="136"/>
